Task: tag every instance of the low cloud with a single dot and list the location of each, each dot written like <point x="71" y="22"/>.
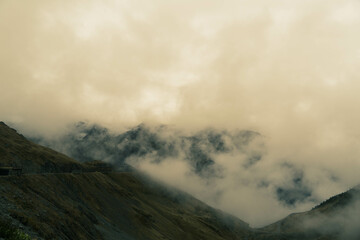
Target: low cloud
<point x="228" y="170"/>
<point x="287" y="70"/>
<point x="339" y="216"/>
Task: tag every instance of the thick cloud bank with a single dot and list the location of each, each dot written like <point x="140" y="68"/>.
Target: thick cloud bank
<point x="288" y="70"/>
<point x="284" y="67"/>
<point x="229" y="170"/>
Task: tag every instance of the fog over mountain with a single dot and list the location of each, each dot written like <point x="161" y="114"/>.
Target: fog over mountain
<point x="228" y="170"/>
<point x="335" y="218"/>
<point x="259" y="99"/>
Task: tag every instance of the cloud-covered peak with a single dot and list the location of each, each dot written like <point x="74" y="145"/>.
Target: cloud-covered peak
<point x="227" y="169"/>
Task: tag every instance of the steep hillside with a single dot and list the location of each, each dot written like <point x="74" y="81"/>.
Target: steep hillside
<point x="60" y="198"/>
<point x="207" y="154"/>
<point x="16" y="150"/>
<point x="113" y="206"/>
<point x="335" y="218"/>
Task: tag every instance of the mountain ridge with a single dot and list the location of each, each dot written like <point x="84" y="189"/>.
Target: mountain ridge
<point x="56" y="202"/>
<point x="111" y="205"/>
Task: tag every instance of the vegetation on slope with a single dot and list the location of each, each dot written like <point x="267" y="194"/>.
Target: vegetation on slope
<point x="16" y="150"/>
<point x="58" y="202"/>
<point x="112" y="206"/>
<point x="8" y="231"/>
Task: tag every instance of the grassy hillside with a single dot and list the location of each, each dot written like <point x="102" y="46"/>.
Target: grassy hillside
<point x="335" y="218"/>
<point x="53" y="203"/>
<point x="111" y="206"/>
<point x="60" y="198"/>
<point x="16" y="150"/>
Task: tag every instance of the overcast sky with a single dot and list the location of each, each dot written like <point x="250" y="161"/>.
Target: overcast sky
<point x="287" y="69"/>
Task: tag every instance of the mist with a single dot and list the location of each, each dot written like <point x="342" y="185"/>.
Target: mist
<point x="340" y="220"/>
<point x="230" y="170"/>
<point x="285" y="69"/>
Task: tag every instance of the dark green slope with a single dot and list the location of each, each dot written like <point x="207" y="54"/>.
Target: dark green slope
<point x="111" y="206"/>
<point x="335" y="218"/>
<point x="53" y="203"/>
<point x="16" y="150"/>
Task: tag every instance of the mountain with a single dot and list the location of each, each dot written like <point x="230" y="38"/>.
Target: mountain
<point x="207" y="154"/>
<point x="85" y="142"/>
<point x="99" y="205"/>
<point x="110" y="206"/>
<point x="60" y="198"/>
<point x="16" y="150"/>
<point x="335" y="218"/>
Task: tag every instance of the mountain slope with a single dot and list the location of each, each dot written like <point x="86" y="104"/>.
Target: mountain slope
<point x="53" y="203"/>
<point x="85" y="142"/>
<point x="112" y="206"/>
<point x="208" y="155"/>
<point x="56" y="202"/>
<point x="335" y="218"/>
<point x="16" y="150"/>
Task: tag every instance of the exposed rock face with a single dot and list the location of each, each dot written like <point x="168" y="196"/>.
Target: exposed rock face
<point x="86" y="142"/>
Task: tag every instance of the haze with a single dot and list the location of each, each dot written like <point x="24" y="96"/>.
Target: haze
<point x="286" y="69"/>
